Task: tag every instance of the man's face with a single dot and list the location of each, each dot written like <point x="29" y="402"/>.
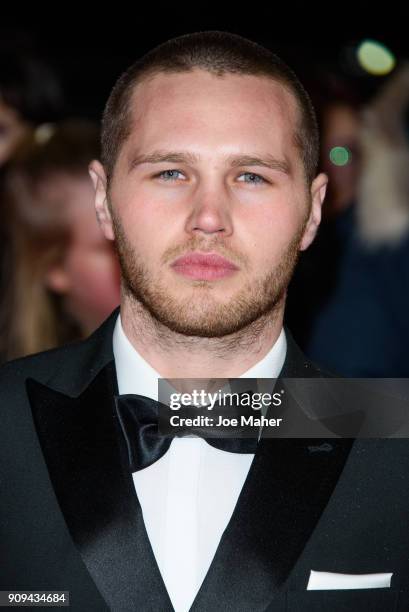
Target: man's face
<point x="192" y="179"/>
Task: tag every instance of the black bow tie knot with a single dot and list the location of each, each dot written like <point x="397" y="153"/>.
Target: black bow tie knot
<point x="139" y="417"/>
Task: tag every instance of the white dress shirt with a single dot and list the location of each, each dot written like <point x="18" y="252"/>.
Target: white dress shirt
<point x="187" y="496"/>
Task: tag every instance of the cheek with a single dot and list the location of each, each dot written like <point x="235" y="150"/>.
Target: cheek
<point x="271" y="227"/>
<point x="150" y="226"/>
<point x="264" y="222"/>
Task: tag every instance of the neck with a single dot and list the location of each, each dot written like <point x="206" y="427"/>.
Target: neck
<point x="174" y="355"/>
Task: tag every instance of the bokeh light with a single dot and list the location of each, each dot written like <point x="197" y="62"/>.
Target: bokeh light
<point x="375" y="58"/>
<point x="340" y="156"/>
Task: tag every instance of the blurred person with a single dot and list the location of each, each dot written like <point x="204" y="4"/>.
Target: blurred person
<point x="61" y="277"/>
<point x="339" y="103"/>
<point x="340" y="127"/>
<point x="355" y="274"/>
<point x="339" y="111"/>
<point x="367" y="240"/>
<point x="30" y="95"/>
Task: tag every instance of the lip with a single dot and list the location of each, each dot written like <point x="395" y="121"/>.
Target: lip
<point x="204" y="266"/>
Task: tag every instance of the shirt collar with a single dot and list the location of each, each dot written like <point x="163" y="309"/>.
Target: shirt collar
<point x="136" y="375"/>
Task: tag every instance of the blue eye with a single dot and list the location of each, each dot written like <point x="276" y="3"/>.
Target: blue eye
<point x="256" y="178"/>
<point x="170" y="173"/>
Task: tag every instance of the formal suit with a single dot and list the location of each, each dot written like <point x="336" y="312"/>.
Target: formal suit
<point x="70" y="517"/>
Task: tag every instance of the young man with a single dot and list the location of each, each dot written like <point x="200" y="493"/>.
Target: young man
<point x="208" y="186"/>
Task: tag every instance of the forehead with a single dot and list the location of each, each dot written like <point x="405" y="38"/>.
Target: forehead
<point x="231" y="111"/>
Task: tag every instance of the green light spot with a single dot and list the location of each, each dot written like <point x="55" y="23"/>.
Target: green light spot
<point x="340" y="156"/>
<point x="375" y="58"/>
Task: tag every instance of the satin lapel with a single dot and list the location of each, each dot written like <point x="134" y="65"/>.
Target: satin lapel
<point x="88" y="468"/>
<point x="287" y="489"/>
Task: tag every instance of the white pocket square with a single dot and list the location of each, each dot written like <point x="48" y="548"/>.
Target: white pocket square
<point x="330" y="581"/>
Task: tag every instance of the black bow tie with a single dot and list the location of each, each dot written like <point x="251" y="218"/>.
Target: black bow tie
<point x="138" y="417"/>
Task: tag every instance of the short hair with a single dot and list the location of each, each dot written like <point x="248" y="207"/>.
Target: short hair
<point x="218" y="53"/>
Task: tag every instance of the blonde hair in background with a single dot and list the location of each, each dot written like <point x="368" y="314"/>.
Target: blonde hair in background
<point x="32" y="317"/>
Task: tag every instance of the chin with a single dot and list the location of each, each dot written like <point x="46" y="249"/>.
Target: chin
<point x="215" y="321"/>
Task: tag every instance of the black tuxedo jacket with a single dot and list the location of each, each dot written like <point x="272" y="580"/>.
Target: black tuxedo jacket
<point x="70" y="519"/>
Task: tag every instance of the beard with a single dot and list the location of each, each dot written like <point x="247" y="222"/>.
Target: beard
<point x="201" y="313"/>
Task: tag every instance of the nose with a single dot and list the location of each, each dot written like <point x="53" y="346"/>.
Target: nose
<point x="211" y="211"/>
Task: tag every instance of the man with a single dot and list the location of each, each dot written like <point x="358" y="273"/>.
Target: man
<point x="208" y="186"/>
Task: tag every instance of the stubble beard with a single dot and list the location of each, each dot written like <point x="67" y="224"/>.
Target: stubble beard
<point x="254" y="305"/>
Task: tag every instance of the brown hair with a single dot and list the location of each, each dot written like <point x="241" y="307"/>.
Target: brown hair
<point x="32" y="317"/>
<point x="218" y="53"/>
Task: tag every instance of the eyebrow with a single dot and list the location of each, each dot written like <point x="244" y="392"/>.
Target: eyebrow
<point x="178" y="157"/>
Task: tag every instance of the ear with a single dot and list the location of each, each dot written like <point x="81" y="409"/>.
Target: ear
<point x="99" y="180"/>
<point x="57" y="279"/>
<point x="318" y="189"/>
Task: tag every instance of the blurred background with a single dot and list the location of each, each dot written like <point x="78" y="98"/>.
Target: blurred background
<point x="348" y="303"/>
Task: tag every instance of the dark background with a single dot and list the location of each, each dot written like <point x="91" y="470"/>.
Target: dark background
<point x="90" y="47"/>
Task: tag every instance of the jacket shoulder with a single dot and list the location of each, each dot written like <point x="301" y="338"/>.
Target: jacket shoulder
<point x="39" y="365"/>
<point x="69" y="366"/>
<point x="298" y="365"/>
